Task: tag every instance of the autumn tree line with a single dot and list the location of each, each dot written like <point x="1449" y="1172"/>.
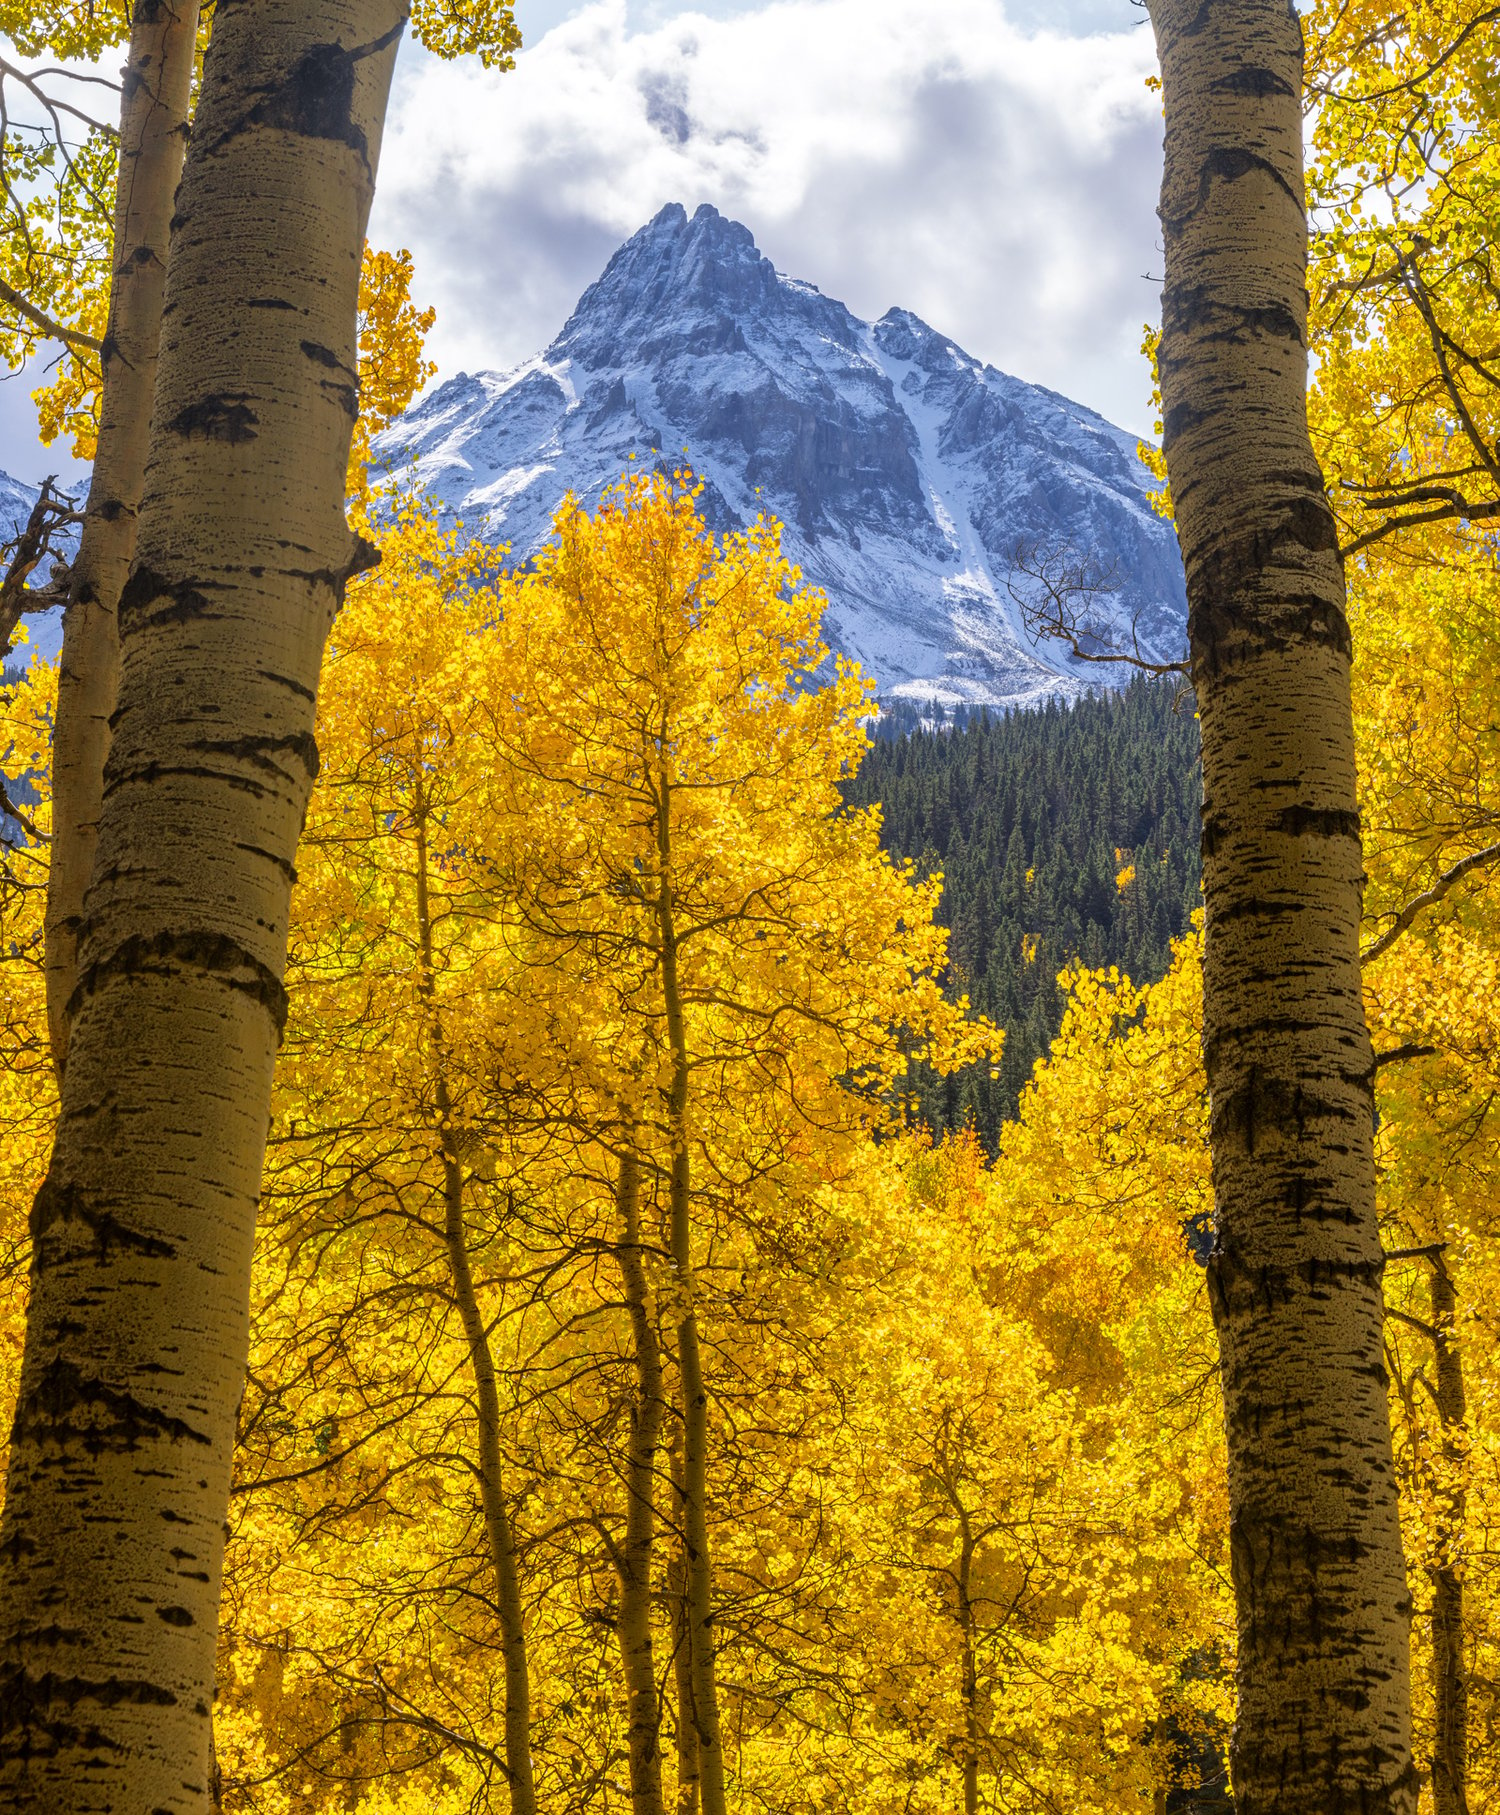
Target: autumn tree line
<point x="487" y="1326"/>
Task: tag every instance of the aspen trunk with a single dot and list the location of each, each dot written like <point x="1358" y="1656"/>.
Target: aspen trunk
<point x="970" y="1673"/>
<point x="682" y="1662"/>
<point x="1323" y="1719"/>
<point x="689" y="1363"/>
<point x="638" y="1551"/>
<point x="153" y="137"/>
<point x="497" y="1523"/>
<point x="118" y="1486"/>
<point x="498" y="1530"/>
<point x="1450" y="1681"/>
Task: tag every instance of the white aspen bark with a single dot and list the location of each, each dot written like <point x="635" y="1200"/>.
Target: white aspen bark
<point x="153" y="137"/>
<point x="111" y="1545"/>
<point x="1323" y="1722"/>
<point x="635" y="1556"/>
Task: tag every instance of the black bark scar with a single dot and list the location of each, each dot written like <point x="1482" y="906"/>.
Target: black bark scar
<point x="1257" y="82"/>
<point x="113" y="1420"/>
<point x="261" y="752"/>
<point x="144" y="588"/>
<point x="169" y="953"/>
<point x="222" y="416"/>
<point x="323" y="356"/>
<point x="316" y="99"/>
<point x="57" y="1203"/>
<point x="1321" y="822"/>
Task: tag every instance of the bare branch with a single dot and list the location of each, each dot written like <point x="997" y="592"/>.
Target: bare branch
<point x="75" y="75"/>
<point x="1432" y="1251"/>
<point x="1409" y="1051"/>
<point x="1066" y="609"/>
<point x="23" y="820"/>
<point x="53" y="511"/>
<point x="1476" y="860"/>
<point x="54" y="107"/>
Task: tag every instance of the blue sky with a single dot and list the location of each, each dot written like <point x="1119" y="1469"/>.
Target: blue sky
<point x="990" y="164"/>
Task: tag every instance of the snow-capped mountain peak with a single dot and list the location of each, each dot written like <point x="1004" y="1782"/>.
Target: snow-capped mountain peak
<point x="907" y="473"/>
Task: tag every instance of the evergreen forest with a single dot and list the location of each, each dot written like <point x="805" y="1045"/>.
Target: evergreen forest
<point x="1065" y="835"/>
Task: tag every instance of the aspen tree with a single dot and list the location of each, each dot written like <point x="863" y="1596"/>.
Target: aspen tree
<point x="497" y="1521"/>
<point x="1450" y="1683"/>
<point x="682" y="1659"/>
<point x="693" y="1407"/>
<point x="1404" y="420"/>
<point x="121" y="1448"/>
<point x="1424" y="683"/>
<point x="666" y="801"/>
<point x="153" y="134"/>
<point x="635" y="1556"/>
<point x="963" y="1585"/>
<point x="1323" y="1717"/>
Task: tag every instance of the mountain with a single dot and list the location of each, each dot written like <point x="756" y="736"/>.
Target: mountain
<point x="905" y="471"/>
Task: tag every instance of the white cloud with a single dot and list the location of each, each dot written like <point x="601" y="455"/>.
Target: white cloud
<point x="1001" y="182"/>
<point x="968" y="159"/>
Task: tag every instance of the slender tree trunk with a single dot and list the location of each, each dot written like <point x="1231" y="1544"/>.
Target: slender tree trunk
<point x="1450" y="1680"/>
<point x="153" y="137"/>
<point x="682" y="1660"/>
<point x="117" y="1496"/>
<point x="637" y="1554"/>
<point x="689" y="1361"/>
<point x="970" y="1672"/>
<point x="497" y="1525"/>
<point x="491" y="1484"/>
<point x="1323" y="1720"/>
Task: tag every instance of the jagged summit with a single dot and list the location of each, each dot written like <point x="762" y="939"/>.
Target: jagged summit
<point x="905" y="470"/>
<point x="707" y="269"/>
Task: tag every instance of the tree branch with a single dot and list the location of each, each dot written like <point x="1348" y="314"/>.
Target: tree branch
<point x="1409" y="1051"/>
<point x="1330" y="93"/>
<point x="7" y="805"/>
<point x="39" y="318"/>
<point x="1415" y="1323"/>
<point x="1476" y="860"/>
<point x="1071" y="586"/>
<point x="1430" y="1252"/>
<point x="51" y="512"/>
<point x="1467" y="513"/>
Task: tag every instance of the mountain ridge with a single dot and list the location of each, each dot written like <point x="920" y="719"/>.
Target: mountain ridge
<point x="905" y="471"/>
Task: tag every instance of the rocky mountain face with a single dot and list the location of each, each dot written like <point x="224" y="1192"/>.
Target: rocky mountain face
<point x="907" y="473"/>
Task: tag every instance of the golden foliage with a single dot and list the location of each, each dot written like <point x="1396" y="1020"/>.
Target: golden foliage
<point x="961" y="1482"/>
<point x="392" y="364"/>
